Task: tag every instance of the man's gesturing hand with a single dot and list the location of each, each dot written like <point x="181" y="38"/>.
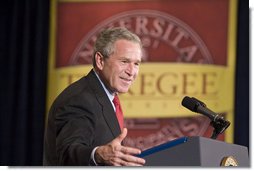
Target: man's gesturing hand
<point x="117" y="155"/>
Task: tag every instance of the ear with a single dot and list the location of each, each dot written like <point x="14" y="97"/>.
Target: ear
<point x="99" y="60"/>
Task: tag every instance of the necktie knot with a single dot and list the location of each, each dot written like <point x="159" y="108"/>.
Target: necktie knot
<point x="116" y="101"/>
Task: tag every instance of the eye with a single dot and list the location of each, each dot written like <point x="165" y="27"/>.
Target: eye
<point x="124" y="61"/>
<point x="137" y="63"/>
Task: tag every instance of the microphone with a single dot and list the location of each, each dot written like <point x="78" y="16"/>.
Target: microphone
<point x="218" y="122"/>
<point x="195" y="105"/>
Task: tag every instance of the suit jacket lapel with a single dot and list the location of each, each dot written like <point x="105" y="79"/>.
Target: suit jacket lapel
<point x="108" y="111"/>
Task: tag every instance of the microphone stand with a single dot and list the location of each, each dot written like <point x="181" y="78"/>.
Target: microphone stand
<point x="219" y="125"/>
<point x="218" y="122"/>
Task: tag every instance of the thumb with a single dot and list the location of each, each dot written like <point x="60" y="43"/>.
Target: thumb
<point x="123" y="134"/>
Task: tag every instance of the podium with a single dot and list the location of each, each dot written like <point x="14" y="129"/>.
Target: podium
<point x="196" y="151"/>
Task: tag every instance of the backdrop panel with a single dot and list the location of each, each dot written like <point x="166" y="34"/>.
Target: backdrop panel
<point x="189" y="50"/>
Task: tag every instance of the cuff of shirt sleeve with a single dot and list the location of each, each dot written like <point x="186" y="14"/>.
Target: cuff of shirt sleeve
<point x="92" y="156"/>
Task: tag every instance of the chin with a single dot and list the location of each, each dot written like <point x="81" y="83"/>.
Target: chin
<point x="123" y="90"/>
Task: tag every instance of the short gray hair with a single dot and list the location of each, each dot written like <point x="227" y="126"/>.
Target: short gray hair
<point x="107" y="38"/>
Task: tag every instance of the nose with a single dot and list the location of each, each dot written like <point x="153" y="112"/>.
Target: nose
<point x="130" y="70"/>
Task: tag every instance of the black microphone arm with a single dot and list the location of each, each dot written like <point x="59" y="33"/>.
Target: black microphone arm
<point x="218" y="122"/>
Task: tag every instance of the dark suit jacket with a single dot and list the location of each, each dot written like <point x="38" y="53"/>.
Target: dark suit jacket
<point x="81" y="118"/>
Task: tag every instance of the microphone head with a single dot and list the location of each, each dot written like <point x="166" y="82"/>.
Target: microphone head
<point x="190" y="103"/>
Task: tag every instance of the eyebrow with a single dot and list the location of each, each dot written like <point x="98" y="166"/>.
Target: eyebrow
<point x="128" y="59"/>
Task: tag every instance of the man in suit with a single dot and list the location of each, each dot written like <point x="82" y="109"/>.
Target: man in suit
<point x="83" y="128"/>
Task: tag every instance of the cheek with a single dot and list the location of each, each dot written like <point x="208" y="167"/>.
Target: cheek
<point x="136" y="73"/>
<point x="118" y="71"/>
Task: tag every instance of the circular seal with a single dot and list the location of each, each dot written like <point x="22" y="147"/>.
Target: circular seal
<point x="229" y="161"/>
<point x="165" y="38"/>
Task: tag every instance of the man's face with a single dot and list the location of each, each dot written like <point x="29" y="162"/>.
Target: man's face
<point x="119" y="70"/>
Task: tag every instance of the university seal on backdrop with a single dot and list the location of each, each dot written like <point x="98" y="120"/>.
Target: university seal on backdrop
<point x="166" y="40"/>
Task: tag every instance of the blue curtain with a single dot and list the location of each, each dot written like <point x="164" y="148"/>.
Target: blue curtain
<point x="241" y="131"/>
<point x="24" y="32"/>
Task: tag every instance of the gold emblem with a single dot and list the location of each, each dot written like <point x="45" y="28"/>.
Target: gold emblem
<point x="229" y="161"/>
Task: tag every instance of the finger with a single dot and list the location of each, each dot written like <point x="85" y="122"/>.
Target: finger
<point x="121" y="137"/>
<point x="132" y="164"/>
<point x="130" y="150"/>
<point x="132" y="160"/>
<point x="123" y="162"/>
<point x="116" y="162"/>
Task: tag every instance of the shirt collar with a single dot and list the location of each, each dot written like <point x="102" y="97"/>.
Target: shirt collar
<point x="109" y="94"/>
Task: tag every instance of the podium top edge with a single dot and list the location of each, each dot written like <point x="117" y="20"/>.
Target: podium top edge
<point x="163" y="146"/>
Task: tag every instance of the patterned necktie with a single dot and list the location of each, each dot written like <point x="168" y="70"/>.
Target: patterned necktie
<point x="119" y="112"/>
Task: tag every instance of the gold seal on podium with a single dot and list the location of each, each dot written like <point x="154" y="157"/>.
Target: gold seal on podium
<point x="229" y="161"/>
